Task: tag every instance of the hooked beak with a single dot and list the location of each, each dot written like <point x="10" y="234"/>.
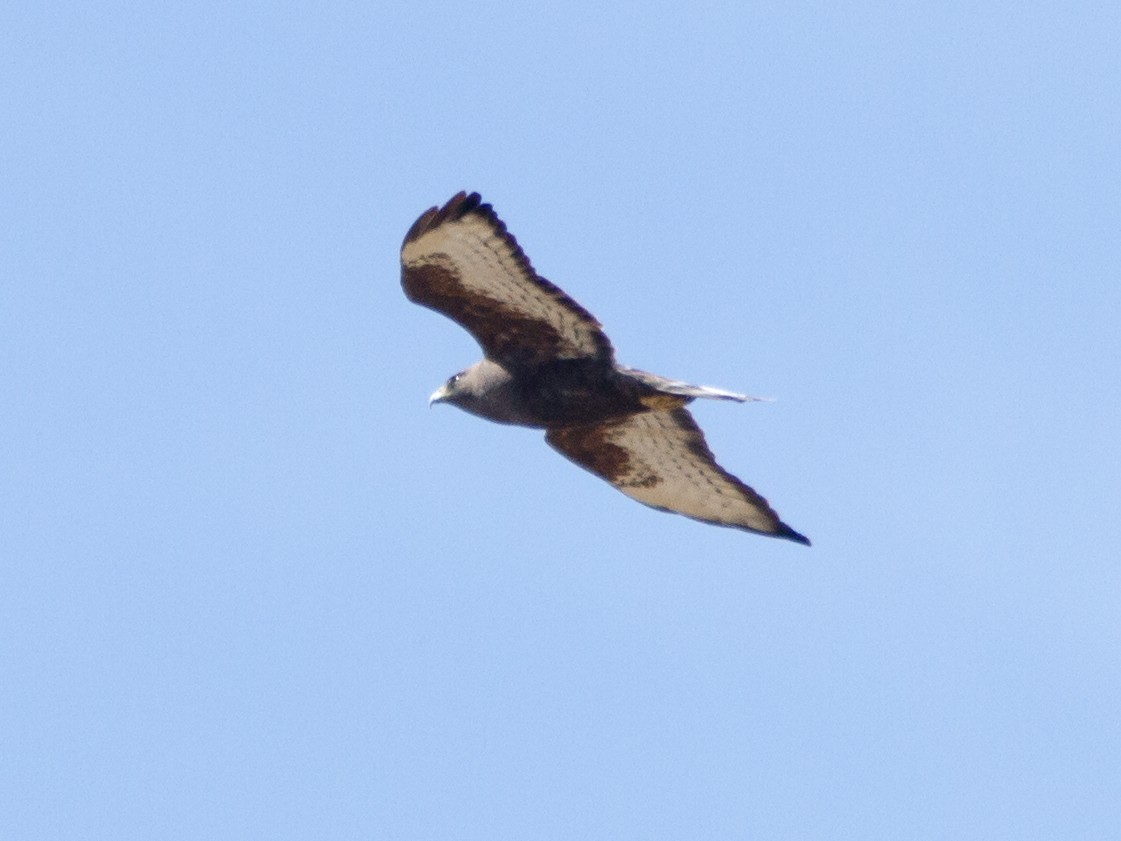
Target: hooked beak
<point x="440" y="395"/>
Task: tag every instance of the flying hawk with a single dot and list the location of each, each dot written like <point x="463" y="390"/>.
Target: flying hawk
<point x="548" y="364"/>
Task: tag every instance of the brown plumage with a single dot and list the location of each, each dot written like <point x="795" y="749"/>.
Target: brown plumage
<point x="548" y="364"/>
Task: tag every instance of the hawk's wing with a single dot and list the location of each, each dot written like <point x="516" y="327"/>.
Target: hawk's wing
<point x="661" y="459"/>
<point x="461" y="261"/>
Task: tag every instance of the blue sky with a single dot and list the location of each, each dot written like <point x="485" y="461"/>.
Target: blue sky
<point x="251" y="587"/>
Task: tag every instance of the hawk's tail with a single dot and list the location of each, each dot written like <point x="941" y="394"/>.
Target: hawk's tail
<point x="683" y="389"/>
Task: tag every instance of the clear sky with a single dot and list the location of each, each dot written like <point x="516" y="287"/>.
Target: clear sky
<point x="251" y="587"/>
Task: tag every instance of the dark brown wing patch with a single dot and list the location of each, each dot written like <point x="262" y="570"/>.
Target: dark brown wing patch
<point x="661" y="459"/>
<point x="461" y="261"/>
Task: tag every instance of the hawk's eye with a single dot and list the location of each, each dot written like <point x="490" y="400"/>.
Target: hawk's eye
<point x="455" y="379"/>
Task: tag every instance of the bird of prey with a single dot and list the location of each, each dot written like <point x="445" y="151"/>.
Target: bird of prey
<point x="548" y="364"/>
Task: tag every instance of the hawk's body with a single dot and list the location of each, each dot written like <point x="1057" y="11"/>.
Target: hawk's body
<point x="548" y="364"/>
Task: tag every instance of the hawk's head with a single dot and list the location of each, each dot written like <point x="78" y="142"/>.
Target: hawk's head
<point x="485" y="389"/>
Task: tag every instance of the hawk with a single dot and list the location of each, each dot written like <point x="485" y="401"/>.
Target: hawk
<point x="548" y="364"/>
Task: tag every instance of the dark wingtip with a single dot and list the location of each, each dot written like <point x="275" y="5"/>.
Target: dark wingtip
<point x="456" y="207"/>
<point x="785" y="531"/>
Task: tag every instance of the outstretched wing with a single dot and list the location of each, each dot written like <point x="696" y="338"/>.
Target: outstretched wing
<point x="461" y="261"/>
<point x="661" y="459"/>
